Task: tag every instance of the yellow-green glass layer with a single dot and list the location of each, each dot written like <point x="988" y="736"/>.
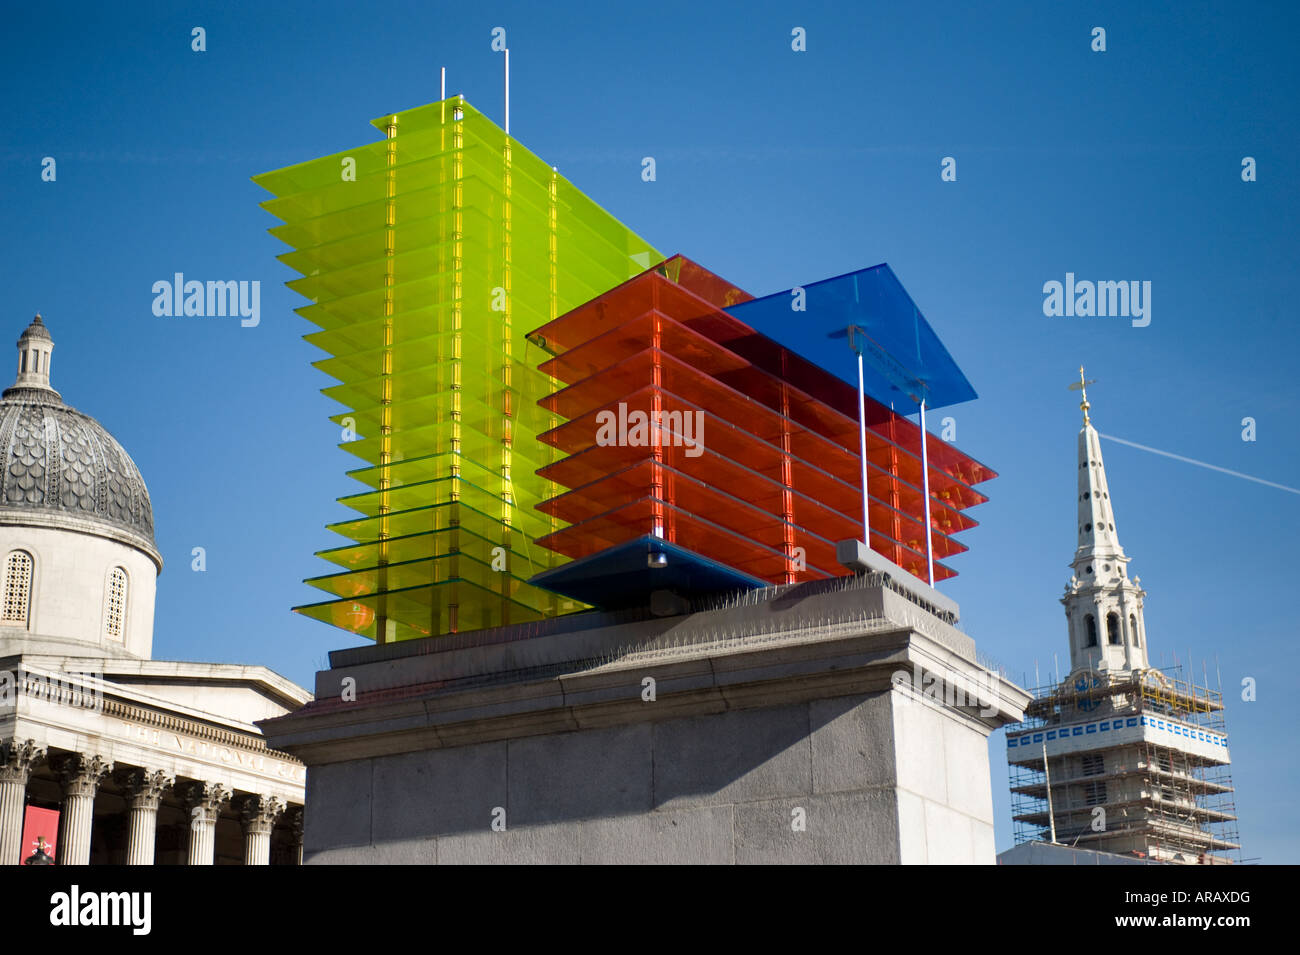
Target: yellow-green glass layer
<point x="427" y="256"/>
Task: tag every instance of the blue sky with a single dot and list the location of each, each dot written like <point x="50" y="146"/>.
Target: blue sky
<point x="774" y="168"/>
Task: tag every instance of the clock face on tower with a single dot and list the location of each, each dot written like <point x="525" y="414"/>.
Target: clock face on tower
<point x="1082" y="684"/>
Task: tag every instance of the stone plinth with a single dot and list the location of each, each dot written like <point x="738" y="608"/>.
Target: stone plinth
<point x="844" y="721"/>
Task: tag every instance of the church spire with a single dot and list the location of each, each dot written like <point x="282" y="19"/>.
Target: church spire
<point x="1104" y="607"/>
<point x="34" y="349"/>
<point x="1098" y="538"/>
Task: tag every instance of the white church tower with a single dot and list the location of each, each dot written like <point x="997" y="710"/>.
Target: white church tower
<point x="1119" y="757"/>
<point x="1103" y="606"/>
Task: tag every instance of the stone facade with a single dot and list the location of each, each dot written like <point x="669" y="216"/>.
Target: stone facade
<point x="70" y="584"/>
<point x="843" y="721"/>
<point x="145" y="760"/>
<point x="120" y="764"/>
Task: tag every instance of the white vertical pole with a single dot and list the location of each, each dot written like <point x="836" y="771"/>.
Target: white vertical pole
<point x="507" y="92"/>
<point x="442" y="90"/>
<point x="862" y="446"/>
<point x="925" y="489"/>
<point x="1051" y="815"/>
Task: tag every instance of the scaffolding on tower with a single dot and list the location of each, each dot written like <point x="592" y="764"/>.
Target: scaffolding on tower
<point x="1162" y="785"/>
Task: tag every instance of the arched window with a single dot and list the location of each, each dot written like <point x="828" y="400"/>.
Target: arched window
<point x="1112" y="630"/>
<point x="18" y="588"/>
<point x="1133" y="629"/>
<point x="1090" y="626"/>
<point x="115" y="605"/>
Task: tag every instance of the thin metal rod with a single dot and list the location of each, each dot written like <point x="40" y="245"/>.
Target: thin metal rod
<point x="507" y="92"/>
<point x="442" y="89"/>
<point x="862" y="445"/>
<point x="925" y="489"/>
<point x="1051" y="816"/>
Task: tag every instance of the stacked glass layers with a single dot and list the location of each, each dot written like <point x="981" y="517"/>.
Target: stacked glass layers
<point x="749" y="457"/>
<point x="426" y="256"/>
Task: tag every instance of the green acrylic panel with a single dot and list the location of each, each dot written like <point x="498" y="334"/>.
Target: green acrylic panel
<point x="426" y="257"/>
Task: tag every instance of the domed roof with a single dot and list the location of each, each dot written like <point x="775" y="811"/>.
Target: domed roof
<point x="36" y="329"/>
<point x="57" y="462"/>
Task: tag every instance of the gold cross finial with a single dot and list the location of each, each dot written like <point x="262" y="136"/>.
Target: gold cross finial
<point x="1082" y="386"/>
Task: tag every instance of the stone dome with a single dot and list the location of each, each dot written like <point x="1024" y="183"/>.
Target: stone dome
<point x="56" y="462"/>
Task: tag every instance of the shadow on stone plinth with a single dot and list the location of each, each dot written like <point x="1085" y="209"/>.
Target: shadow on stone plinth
<point x="843" y="720"/>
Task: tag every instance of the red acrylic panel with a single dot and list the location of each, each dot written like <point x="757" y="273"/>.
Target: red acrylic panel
<point x="778" y="465"/>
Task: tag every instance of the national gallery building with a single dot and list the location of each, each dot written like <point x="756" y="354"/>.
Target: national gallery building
<point x="108" y="756"/>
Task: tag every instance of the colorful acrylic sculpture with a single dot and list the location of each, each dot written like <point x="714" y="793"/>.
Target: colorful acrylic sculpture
<point x="426" y="256"/>
<point x="647" y="436"/>
<point x="700" y="454"/>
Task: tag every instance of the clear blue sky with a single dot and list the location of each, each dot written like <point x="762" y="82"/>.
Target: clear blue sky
<point x="774" y="168"/>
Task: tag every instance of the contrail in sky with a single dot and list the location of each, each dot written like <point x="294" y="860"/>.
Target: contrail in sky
<point x="1200" y="464"/>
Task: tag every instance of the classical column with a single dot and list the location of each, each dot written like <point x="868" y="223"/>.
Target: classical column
<point x="81" y="775"/>
<point x="204" y="802"/>
<point x="257" y="814"/>
<point x="16" y="760"/>
<point x="295" y="826"/>
<point x="143" y="789"/>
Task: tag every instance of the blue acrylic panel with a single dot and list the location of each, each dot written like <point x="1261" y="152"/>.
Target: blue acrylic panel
<point x="623" y="575"/>
<point x="904" y="359"/>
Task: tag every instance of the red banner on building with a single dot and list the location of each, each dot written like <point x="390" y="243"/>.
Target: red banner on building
<point x="40" y="823"/>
